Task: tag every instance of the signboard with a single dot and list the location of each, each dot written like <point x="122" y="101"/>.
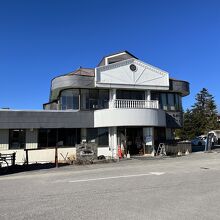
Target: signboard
<point x="209" y="140"/>
<point x="148" y="140"/>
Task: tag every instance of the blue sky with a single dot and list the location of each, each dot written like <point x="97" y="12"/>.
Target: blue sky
<point x="40" y="39"/>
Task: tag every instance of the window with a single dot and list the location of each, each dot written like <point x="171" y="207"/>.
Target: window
<point x="130" y="94"/>
<point x="171" y="100"/>
<point x="155" y="96"/>
<point x="163" y="101"/>
<point x="70" y="99"/>
<point x="103" y="136"/>
<point x="50" y="137"/>
<point x="98" y="136"/>
<point x="17" y="139"/>
<point x="94" y="99"/>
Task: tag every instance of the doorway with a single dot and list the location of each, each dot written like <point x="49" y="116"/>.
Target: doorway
<point x="131" y="140"/>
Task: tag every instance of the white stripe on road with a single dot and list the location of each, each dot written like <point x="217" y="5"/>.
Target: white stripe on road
<point x="117" y="177"/>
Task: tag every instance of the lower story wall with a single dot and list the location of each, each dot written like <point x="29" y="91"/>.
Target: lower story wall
<point x="42" y="155"/>
<point x="48" y="155"/>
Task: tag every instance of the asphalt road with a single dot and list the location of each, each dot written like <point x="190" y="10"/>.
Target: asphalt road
<point x="175" y="188"/>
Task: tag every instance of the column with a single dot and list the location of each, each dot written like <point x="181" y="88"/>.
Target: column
<point x="147" y="95"/>
<point x="112" y="97"/>
<point x="113" y="142"/>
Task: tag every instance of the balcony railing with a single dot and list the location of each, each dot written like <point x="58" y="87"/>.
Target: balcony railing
<point x="137" y="104"/>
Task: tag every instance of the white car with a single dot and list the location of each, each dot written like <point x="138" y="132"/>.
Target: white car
<point x="216" y="138"/>
<point x="199" y="141"/>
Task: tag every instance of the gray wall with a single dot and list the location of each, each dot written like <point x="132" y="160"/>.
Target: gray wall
<point x="10" y="119"/>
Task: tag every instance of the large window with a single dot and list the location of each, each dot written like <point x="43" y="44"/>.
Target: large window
<point x="17" y="139"/>
<point x="94" y="99"/>
<point x="168" y="101"/>
<point x="130" y="94"/>
<point x="70" y="99"/>
<point x="50" y="137"/>
<point x="98" y="136"/>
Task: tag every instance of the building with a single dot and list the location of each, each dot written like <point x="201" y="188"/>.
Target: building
<point x="123" y="101"/>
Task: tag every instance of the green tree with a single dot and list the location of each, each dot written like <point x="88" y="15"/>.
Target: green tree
<point x="202" y="118"/>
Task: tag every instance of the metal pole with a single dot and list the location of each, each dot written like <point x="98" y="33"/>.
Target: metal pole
<point x="56" y="149"/>
<point x="56" y="157"/>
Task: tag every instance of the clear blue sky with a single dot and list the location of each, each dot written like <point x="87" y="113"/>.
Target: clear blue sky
<point x="40" y="39"/>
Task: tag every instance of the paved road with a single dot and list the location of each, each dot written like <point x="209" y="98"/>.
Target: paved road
<point x="176" y="188"/>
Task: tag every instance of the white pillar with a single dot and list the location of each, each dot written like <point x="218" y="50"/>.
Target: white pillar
<point x="147" y="95"/>
<point x="112" y="94"/>
<point x="113" y="142"/>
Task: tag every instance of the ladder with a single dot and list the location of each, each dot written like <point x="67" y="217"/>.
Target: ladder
<point x="161" y="150"/>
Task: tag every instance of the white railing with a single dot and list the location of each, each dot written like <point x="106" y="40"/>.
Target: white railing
<point x="126" y="103"/>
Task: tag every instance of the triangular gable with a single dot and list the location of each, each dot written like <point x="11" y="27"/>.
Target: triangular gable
<point x="131" y="73"/>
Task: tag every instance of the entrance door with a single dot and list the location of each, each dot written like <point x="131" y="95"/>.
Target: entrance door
<point x="132" y="139"/>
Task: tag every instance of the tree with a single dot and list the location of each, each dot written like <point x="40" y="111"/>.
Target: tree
<point x="202" y="118"/>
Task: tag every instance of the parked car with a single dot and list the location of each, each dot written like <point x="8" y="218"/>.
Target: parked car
<point x="199" y="141"/>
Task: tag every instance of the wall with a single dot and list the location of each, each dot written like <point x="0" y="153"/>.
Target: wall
<point x="104" y="151"/>
<point x="20" y="119"/>
<point x="129" y="117"/>
<point x="119" y="75"/>
<point x="42" y="155"/>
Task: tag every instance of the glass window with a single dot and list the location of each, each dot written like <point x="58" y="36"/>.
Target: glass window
<point x="69" y="136"/>
<point x="98" y="136"/>
<point x="171" y="101"/>
<point x="163" y="101"/>
<point x="103" y="98"/>
<point x="42" y="138"/>
<point x="17" y="139"/>
<point x="50" y="137"/>
<point x="130" y="94"/>
<point x="94" y="99"/>
<point x="70" y="99"/>
<point x="84" y="99"/>
<point x="155" y="96"/>
<point x="92" y="135"/>
<point x="178" y="102"/>
<point x="103" y="136"/>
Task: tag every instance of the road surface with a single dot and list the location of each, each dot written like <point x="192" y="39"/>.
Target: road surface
<point x="186" y="187"/>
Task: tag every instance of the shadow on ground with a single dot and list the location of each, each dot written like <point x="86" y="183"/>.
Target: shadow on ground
<point x="30" y="167"/>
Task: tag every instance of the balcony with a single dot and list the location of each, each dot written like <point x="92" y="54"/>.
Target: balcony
<point x="134" y="104"/>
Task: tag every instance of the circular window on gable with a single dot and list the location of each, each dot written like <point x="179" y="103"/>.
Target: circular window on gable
<point x="133" y="67"/>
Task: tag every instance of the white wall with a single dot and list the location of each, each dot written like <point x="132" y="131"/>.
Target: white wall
<point x="42" y="156"/>
<point x="4" y="139"/>
<point x="129" y="117"/>
<point x="106" y="151"/>
<point x="119" y="75"/>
